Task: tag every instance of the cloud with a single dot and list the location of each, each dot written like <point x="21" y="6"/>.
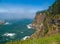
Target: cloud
<point x="19" y="11"/>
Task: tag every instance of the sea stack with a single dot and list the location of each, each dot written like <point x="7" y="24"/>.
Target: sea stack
<point x="2" y="22"/>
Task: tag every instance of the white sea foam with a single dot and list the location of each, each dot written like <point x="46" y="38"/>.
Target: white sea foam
<point x="6" y="23"/>
<point x="24" y="38"/>
<point x="29" y="26"/>
<point x="9" y="34"/>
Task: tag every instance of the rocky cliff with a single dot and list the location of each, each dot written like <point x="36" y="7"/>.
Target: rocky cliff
<point x="38" y="25"/>
<point x="47" y="23"/>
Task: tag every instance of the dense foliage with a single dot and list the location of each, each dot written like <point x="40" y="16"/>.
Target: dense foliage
<point x="55" y="8"/>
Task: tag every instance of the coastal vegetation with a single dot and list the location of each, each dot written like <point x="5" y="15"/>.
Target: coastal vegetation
<point x="45" y="40"/>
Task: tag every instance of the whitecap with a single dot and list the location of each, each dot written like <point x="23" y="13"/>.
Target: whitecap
<point x="26" y="37"/>
<point x="9" y="34"/>
<point x="7" y="23"/>
<point x="29" y="26"/>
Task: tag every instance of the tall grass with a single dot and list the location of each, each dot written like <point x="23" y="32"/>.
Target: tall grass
<point x="46" y="40"/>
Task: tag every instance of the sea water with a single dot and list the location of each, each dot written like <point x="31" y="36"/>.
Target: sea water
<point x="15" y="30"/>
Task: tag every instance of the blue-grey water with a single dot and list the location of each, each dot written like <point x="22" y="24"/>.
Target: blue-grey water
<point x="18" y="27"/>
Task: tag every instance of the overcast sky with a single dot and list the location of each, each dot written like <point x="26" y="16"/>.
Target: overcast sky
<point x="22" y="8"/>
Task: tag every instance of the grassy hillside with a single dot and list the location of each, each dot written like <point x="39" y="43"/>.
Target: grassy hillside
<point x="46" y="40"/>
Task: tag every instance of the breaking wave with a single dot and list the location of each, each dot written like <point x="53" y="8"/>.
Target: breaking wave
<point x="9" y="34"/>
<point x="7" y="23"/>
<point x="29" y="26"/>
<point x="26" y="37"/>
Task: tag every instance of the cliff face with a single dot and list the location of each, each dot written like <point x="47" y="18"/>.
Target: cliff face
<point x="52" y="25"/>
<point x="38" y="25"/>
<point x="47" y="22"/>
<point x="45" y="25"/>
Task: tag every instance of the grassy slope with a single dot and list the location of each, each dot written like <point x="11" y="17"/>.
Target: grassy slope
<point x="46" y="40"/>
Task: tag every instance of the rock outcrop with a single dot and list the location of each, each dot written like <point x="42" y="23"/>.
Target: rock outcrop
<point x="38" y="25"/>
<point x="2" y="22"/>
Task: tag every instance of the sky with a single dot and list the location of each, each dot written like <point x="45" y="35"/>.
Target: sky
<point x="11" y="9"/>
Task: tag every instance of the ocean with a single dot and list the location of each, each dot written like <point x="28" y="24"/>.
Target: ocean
<point x="15" y="30"/>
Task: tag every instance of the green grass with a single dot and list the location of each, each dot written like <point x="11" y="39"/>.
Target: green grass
<point x="46" y="40"/>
